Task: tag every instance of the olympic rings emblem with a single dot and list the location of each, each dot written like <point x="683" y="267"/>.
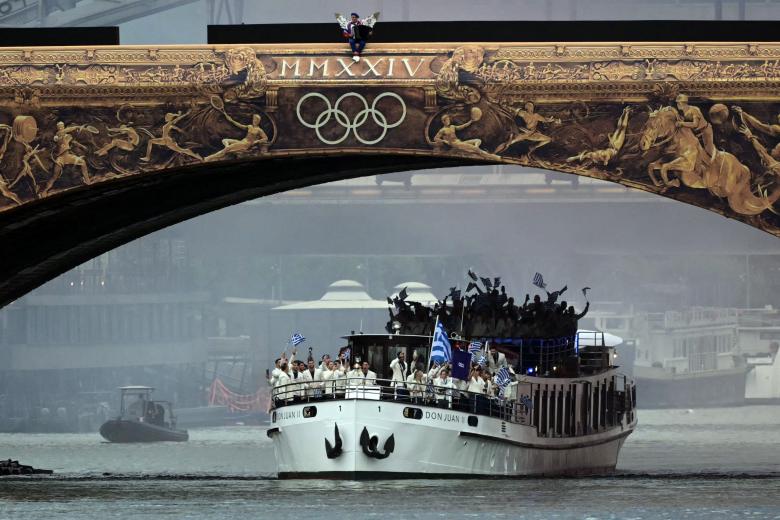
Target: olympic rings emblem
<point x="354" y="124"/>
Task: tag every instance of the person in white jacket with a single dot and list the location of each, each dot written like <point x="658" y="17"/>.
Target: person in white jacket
<point x="496" y="360"/>
<point x="297" y="388"/>
<point x="312" y="379"/>
<point x="433" y="373"/>
<point x="416" y="384"/>
<point x="443" y="388"/>
<point x="282" y="383"/>
<point x="476" y="384"/>
<point x="327" y="376"/>
<point x="400" y="371"/>
<point x="365" y="376"/>
<point x="274" y="375"/>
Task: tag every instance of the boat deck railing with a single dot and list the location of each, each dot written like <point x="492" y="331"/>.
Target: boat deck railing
<point x="554" y="409"/>
<point x="415" y="394"/>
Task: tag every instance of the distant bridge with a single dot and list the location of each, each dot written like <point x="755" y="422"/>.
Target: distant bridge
<point x="74" y="13"/>
<point x="101" y="145"/>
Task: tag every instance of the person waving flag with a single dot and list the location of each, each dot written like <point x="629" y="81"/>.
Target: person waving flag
<point x="441" y="351"/>
<point x="474" y="348"/>
<point x="503" y="378"/>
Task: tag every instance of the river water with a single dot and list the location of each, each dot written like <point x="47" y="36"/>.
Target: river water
<point x="704" y="463"/>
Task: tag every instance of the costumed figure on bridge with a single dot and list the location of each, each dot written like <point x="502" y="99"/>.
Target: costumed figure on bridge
<point x="357" y="31"/>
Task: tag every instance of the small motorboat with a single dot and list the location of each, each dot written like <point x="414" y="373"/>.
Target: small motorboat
<point x="142" y="420"/>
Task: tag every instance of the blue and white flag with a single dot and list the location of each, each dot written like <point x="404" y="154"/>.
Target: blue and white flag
<point x="441" y="351"/>
<point x="539" y="281"/>
<point x="296" y="339"/>
<point x="475" y="347"/>
<point x="482" y="361"/>
<point x="503" y="378"/>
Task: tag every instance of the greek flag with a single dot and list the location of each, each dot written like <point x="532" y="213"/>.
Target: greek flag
<point x="296" y="339"/>
<point x="503" y="378"/>
<point x="539" y="281"/>
<point x="482" y="361"/>
<point x="429" y="388"/>
<point x="441" y="351"/>
<point x="475" y="347"/>
<point x="347" y="353"/>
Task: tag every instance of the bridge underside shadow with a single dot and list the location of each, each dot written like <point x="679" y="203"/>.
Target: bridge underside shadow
<point x="60" y="232"/>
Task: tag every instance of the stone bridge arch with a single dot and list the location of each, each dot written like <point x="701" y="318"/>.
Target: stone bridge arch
<point x="101" y="145"/>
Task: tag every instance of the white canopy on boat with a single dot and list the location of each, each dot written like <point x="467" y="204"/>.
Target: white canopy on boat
<point x="417" y="292"/>
<point x="342" y="294"/>
<point x="595" y="338"/>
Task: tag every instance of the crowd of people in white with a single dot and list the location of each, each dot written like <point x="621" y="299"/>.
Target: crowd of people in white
<point x="295" y="381"/>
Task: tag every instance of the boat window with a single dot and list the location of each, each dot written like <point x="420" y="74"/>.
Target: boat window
<point x="309" y="412"/>
<point x="413" y="413"/>
<point x="473" y="420"/>
<point x="393" y="350"/>
<point x="273" y="417"/>
<point x="376" y="360"/>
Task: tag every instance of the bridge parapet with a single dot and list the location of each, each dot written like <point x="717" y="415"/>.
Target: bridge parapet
<point x="77" y="116"/>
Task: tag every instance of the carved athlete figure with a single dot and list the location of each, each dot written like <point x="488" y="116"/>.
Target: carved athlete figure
<point x="255" y="136"/>
<point x="693" y="118"/>
<point x="769" y="129"/>
<point x="167" y="141"/>
<point x="531" y="131"/>
<point x="30" y="154"/>
<point x="127" y="144"/>
<point x="616" y="141"/>
<point x="65" y="156"/>
<point x="448" y="136"/>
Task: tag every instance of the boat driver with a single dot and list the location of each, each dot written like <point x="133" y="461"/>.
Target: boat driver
<point x="138" y="407"/>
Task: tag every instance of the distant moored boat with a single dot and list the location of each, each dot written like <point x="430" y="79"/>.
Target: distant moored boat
<point x="142" y="420"/>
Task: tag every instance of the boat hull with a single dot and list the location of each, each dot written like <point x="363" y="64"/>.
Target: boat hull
<point x="442" y="443"/>
<point x="118" y="430"/>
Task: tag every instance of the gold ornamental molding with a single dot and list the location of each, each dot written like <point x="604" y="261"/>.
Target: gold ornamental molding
<point x="696" y="122"/>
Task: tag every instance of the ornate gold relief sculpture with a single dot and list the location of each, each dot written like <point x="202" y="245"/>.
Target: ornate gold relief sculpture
<point x="696" y="122"/>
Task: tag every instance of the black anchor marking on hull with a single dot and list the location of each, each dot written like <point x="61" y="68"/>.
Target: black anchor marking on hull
<point x="369" y="445"/>
<point x="333" y="451"/>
